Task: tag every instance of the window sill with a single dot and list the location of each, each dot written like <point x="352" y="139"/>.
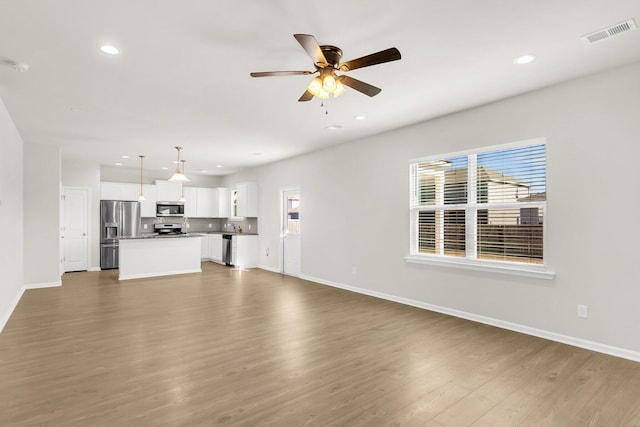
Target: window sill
<point x="538" y="272"/>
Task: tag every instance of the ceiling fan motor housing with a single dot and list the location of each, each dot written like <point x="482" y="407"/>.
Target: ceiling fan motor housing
<point x="332" y="54"/>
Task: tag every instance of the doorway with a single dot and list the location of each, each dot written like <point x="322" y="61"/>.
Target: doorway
<point x="75" y="229"/>
<point x="291" y="232"/>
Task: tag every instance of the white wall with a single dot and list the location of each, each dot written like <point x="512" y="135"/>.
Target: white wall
<point x="355" y="212"/>
<point x="11" y="208"/>
<point x="80" y="172"/>
<point x="41" y="215"/>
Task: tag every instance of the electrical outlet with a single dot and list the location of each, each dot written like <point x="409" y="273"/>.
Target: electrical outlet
<point x="144" y="226"/>
<point x="188" y="225"/>
<point x="209" y="225"/>
<point x="266" y="252"/>
<point x="583" y="311"/>
<point x="354" y="270"/>
<point x="249" y="225"/>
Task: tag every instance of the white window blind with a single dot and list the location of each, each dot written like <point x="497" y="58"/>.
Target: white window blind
<point x="482" y="205"/>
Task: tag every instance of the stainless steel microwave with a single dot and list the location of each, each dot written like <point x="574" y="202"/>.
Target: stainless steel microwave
<point x="169" y="209"/>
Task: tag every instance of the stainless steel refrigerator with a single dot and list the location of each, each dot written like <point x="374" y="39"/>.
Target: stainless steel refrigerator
<point x="118" y="219"/>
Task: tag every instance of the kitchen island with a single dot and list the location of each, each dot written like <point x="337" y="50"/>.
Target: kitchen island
<point x="159" y="255"/>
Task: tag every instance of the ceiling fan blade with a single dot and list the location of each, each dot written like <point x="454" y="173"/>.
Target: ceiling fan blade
<point x="359" y="85"/>
<point x="306" y="96"/>
<point x="280" y="73"/>
<point x="388" y="55"/>
<point x="309" y="43"/>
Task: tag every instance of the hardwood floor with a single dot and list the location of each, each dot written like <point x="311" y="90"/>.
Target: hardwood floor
<point x="254" y="348"/>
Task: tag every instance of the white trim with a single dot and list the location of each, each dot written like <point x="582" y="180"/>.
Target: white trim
<point x="43" y="285"/>
<point x="5" y="318"/>
<point x="517" y="144"/>
<point x="552" y="336"/>
<point x="268" y="268"/>
<point x="16" y="300"/>
<point x="516" y="269"/>
<point x="94" y="269"/>
<point x="164" y="273"/>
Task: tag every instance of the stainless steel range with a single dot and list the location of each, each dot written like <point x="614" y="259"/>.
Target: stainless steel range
<point x="168" y="228"/>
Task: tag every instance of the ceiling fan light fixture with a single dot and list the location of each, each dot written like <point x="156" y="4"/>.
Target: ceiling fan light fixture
<point x="315" y="86"/>
<point x="339" y="89"/>
<point x="323" y="94"/>
<point x="329" y="82"/>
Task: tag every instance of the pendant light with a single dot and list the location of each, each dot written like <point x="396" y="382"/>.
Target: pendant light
<point x="177" y="175"/>
<point x="141" y="196"/>
<point x="182" y="199"/>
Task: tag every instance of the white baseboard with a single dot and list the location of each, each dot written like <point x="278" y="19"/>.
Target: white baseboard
<point x="268" y="268"/>
<point x="6" y="316"/>
<point x="94" y="269"/>
<point x="43" y="285"/>
<point x="164" y="273"/>
<point x="14" y="303"/>
<point x="552" y="336"/>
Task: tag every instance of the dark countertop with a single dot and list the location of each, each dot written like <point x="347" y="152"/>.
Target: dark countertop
<point x="162" y="236"/>
<point x="234" y="233"/>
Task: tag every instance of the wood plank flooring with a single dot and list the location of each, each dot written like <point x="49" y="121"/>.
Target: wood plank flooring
<point x="254" y="348"/>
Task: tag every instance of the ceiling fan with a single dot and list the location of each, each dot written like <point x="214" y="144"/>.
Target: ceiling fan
<point x="326" y="59"/>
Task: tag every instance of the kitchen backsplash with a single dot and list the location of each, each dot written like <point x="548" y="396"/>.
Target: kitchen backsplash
<point x="199" y="225"/>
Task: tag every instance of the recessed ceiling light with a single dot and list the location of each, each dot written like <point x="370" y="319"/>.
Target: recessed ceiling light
<point x="118" y="164"/>
<point x="111" y="50"/>
<point x="125" y="157"/>
<point x="219" y="166"/>
<point x="360" y="117"/>
<point x="204" y="171"/>
<point x="257" y="154"/>
<point x="334" y="127"/>
<point x="164" y="168"/>
<point x="524" y="59"/>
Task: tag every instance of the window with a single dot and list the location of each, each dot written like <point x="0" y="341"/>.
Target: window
<point x="481" y="207"/>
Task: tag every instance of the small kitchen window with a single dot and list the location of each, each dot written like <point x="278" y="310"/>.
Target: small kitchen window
<point x="482" y="209"/>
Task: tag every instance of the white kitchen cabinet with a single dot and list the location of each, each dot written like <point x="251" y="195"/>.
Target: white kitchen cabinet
<point x="215" y="247"/>
<point x="223" y="209"/>
<point x="190" y="202"/>
<point x="148" y="205"/>
<point x="128" y="191"/>
<point x="206" y="202"/>
<point x="119" y="191"/>
<point x="167" y="191"/>
<point x="205" y="248"/>
<point x="244" y="200"/>
<point x="245" y="251"/>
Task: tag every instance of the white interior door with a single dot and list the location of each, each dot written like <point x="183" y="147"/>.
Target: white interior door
<point x="291" y="232"/>
<point x="75" y="229"/>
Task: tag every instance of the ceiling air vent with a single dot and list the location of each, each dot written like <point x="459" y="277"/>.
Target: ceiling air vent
<point x="612" y="31"/>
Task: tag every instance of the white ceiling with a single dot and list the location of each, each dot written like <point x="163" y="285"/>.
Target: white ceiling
<point x="182" y="77"/>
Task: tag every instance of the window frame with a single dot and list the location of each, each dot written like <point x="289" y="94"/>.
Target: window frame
<point x="470" y="260"/>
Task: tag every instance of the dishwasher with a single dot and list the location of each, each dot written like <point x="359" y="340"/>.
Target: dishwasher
<point x="226" y="248"/>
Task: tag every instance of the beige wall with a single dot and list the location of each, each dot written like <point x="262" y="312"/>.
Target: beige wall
<point x="11" y="209"/>
<point x="42" y="255"/>
<point x="355" y="212"/>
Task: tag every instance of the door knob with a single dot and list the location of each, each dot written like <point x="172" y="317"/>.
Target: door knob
<point x="84" y="234"/>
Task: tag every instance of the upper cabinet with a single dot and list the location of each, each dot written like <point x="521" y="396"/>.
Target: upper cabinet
<point x="131" y="192"/>
<point x="204" y="202"/>
<point x="244" y="200"/>
<point x="148" y="205"/>
<point x="119" y="191"/>
<point x="167" y="191"/>
<point x="199" y="202"/>
<point x="190" y="202"/>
